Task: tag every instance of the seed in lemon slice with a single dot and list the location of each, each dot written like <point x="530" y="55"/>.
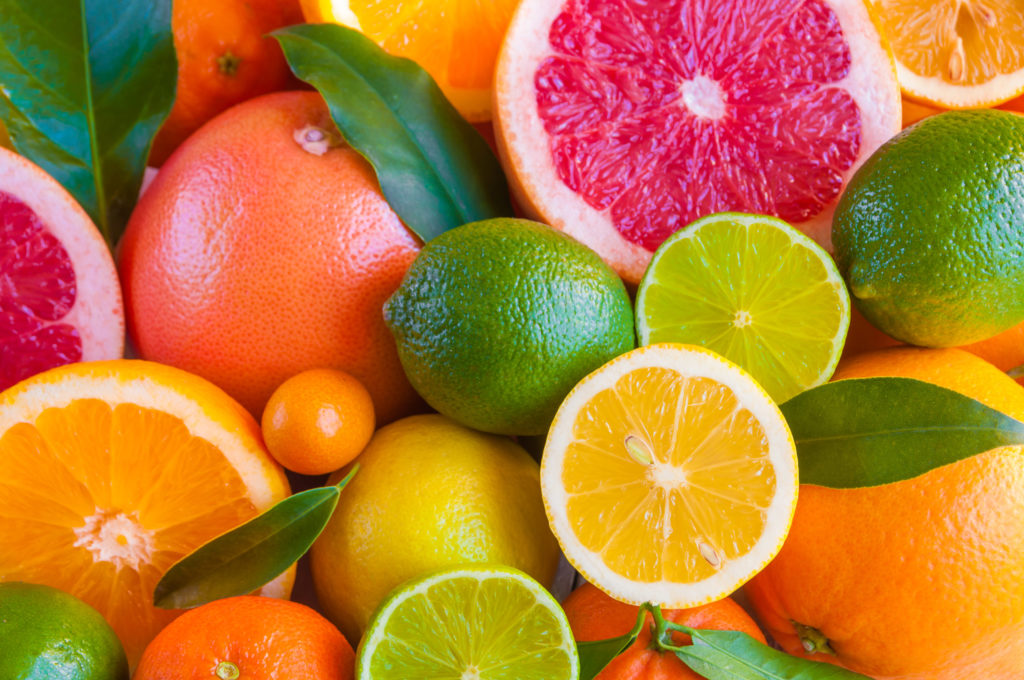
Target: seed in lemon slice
<point x="956" y="54"/>
<point x="456" y="42"/>
<point x="756" y="291"/>
<point x="469" y="623"/>
<point x="112" y="471"/>
<point x="669" y="476"/>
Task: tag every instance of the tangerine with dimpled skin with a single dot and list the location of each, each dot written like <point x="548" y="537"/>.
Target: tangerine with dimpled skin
<point x="921" y="579"/>
<point x="593" y="615"/>
<point x="264" y="248"/>
<point x="255" y="638"/>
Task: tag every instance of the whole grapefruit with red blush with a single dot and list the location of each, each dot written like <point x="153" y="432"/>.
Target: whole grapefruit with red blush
<point x="60" y="301"/>
<point x="264" y="248"/>
<point x="622" y="122"/>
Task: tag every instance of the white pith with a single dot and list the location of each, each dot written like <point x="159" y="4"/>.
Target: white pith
<point x="525" y="152"/>
<point x="98" y="309"/>
<point x="693" y="362"/>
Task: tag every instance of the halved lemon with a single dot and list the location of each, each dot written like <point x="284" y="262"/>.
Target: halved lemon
<point x="956" y="54"/>
<point x="112" y="471"/>
<point x="455" y="41"/>
<point x="669" y="476"/>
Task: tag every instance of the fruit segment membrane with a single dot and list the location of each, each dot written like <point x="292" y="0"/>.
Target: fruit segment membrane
<point x="37" y="290"/>
<point x="665" y="111"/>
<point x="103" y="500"/>
<point x="676" y="469"/>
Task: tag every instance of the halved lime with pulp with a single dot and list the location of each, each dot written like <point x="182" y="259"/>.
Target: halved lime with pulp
<point x="469" y="623"/>
<point x="753" y="289"/>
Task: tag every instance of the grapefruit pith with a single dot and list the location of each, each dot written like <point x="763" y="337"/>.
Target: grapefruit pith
<point x="622" y="122"/>
<point x="60" y="301"/>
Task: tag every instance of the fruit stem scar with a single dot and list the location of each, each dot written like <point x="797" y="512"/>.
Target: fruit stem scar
<point x="639" y="450"/>
<point x="227" y="671"/>
<point x="315" y="140"/>
<point x="812" y="640"/>
<point x="228" y="64"/>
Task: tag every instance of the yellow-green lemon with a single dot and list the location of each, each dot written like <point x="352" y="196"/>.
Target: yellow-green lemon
<point x="929" y="234"/>
<point x="429" y="494"/>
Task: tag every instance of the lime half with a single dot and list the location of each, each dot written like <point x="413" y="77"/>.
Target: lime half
<point x="469" y="623"/>
<point x="753" y="289"/>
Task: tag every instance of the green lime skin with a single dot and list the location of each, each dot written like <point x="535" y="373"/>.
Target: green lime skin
<point x="496" y="321"/>
<point x="47" y="634"/>
<point x="929" y="234"/>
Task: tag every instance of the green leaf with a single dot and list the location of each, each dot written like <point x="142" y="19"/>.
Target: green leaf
<point x="871" y="431"/>
<point x="595" y="655"/>
<point x="731" y="655"/>
<point x="434" y="168"/>
<point x="84" y="86"/>
<point x="251" y="555"/>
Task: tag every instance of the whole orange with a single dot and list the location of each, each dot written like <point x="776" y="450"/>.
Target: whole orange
<point x="224" y="58"/>
<point x="255" y="638"/>
<point x="318" y="421"/>
<point x="921" y="579"/>
<point x="593" y="615"/>
<point x="264" y="248"/>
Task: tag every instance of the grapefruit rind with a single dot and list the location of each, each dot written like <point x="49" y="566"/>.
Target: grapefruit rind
<point x="522" y="140"/>
<point x="98" y="311"/>
<point x="690" y="361"/>
<point x="798" y="239"/>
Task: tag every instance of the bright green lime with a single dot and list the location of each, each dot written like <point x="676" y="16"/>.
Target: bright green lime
<point x="930" y="231"/>
<point x="46" y="634"/>
<point x="754" y="290"/>
<point x="469" y="623"/>
<point x="496" y="321"/>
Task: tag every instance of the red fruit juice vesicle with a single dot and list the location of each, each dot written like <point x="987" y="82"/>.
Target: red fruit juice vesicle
<point x="37" y="290"/>
<point x="668" y="110"/>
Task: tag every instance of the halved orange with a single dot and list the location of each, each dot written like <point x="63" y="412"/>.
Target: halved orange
<point x="669" y="476"/>
<point x="956" y="54"/>
<point x="456" y="41"/>
<point x="112" y="471"/>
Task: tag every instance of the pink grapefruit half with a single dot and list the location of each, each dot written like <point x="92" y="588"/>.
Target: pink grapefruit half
<point x="621" y="121"/>
<point x="60" y="300"/>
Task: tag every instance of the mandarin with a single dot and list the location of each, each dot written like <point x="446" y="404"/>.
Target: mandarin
<point x="255" y="638"/>
<point x="594" y="615"/>
<point x="264" y="248"/>
<point x="318" y="421"/>
<point x="224" y="58"/>
<point x="921" y="579"/>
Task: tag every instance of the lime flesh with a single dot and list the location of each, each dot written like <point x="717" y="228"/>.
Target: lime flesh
<point x="754" y="290"/>
<point x="469" y="623"/>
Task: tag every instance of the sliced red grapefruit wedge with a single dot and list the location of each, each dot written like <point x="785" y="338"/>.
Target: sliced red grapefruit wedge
<point x="60" y="300"/>
<point x="622" y="121"/>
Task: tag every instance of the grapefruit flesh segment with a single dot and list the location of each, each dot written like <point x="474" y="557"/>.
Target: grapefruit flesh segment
<point x="647" y="116"/>
<point x="60" y="300"/>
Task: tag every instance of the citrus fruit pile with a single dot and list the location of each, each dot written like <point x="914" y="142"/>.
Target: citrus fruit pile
<point x="514" y="340"/>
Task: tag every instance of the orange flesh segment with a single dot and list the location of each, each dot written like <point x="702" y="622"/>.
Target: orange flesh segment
<point x="104" y="500"/>
<point x="710" y="455"/>
<point x="924" y="38"/>
<point x="456" y="41"/>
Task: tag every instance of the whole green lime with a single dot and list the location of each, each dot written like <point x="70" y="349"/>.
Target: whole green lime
<point x="46" y="633"/>
<point x="929" y="234"/>
<point x="497" y="320"/>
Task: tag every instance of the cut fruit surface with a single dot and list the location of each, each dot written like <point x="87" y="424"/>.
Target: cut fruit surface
<point x="956" y="54"/>
<point x="112" y="471"/>
<point x="646" y="116"/>
<point x="756" y="291"/>
<point x="60" y="300"/>
<point x="669" y="476"/>
<point x="469" y="623"/>
<point x="456" y="41"/>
